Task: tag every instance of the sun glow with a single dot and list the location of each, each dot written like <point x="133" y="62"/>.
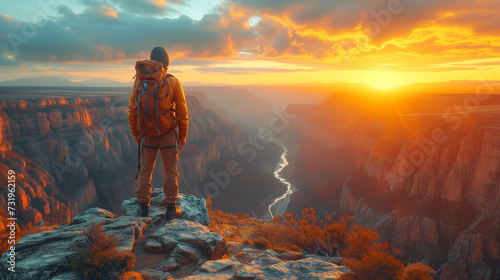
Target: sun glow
<point x="382" y="85"/>
<point x="384" y="80"/>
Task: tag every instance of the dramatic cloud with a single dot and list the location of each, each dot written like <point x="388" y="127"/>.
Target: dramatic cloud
<point x="101" y="34"/>
<point x="323" y="34"/>
<point x="366" y="31"/>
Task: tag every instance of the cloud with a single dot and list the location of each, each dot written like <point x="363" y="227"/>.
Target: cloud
<point x="7" y="61"/>
<point x="7" y="18"/>
<point x="248" y="70"/>
<point x="148" y="7"/>
<point x="376" y="21"/>
<point x="107" y="12"/>
<point x="98" y="35"/>
<point x="325" y="34"/>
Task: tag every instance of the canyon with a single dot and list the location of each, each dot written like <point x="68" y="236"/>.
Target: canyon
<point x="72" y="149"/>
<point x="423" y="170"/>
<point x="184" y="248"/>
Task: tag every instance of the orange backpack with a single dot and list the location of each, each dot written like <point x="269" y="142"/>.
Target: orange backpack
<point x="155" y="112"/>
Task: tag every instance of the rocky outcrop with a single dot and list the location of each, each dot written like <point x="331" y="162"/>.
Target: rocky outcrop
<point x="182" y="248"/>
<point x="179" y="242"/>
<point x="422" y="170"/>
<point x="269" y="265"/>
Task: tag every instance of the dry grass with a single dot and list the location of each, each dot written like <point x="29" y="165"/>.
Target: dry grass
<point x="306" y="233"/>
<point x="326" y="237"/>
<point x="99" y="257"/>
<point x="358" y="246"/>
<point x="240" y="226"/>
<point x="374" y="265"/>
<point x="418" y="271"/>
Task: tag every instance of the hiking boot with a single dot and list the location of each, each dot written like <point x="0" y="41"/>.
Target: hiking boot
<point x="143" y="210"/>
<point x="173" y="211"/>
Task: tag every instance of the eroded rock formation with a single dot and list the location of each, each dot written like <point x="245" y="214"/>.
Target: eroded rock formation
<point x="73" y="153"/>
<point x="422" y="170"/>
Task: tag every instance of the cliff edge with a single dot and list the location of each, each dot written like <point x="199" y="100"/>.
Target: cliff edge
<point x="184" y="247"/>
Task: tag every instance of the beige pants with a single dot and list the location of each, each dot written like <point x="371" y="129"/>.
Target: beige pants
<point x="169" y="156"/>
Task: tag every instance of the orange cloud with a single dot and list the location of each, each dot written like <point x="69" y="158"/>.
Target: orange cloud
<point x="158" y="3"/>
<point x="108" y="12"/>
<point x="425" y="37"/>
<point x="8" y="18"/>
<point x="413" y="37"/>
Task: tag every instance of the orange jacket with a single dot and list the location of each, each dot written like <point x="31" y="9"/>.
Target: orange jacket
<point x="178" y="99"/>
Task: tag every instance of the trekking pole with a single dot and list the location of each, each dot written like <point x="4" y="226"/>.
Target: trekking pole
<point x="138" y="160"/>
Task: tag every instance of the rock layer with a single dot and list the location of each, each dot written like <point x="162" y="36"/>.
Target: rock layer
<point x="72" y="153"/>
<point x="422" y="170"/>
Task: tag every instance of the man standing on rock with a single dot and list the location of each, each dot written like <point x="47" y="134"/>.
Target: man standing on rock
<point x="157" y="107"/>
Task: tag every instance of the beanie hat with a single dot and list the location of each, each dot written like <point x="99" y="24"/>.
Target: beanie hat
<point x="160" y="54"/>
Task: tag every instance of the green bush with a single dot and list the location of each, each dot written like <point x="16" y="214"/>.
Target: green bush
<point x="98" y="258"/>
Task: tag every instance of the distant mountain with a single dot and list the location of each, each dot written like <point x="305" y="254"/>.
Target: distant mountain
<point x="102" y="82"/>
<point x="61" y="82"/>
<point x="40" y="81"/>
<point x="454" y="86"/>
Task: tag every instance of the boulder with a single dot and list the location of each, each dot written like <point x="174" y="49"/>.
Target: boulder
<point x="193" y="208"/>
<point x="43" y="255"/>
<point x="218" y="269"/>
<point x="268" y="266"/>
<point x="183" y="242"/>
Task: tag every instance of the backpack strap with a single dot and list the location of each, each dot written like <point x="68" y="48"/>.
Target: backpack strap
<point x="148" y="147"/>
<point x="163" y="148"/>
<point x="157" y="108"/>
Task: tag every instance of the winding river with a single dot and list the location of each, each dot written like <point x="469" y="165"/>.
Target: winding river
<point x="279" y="205"/>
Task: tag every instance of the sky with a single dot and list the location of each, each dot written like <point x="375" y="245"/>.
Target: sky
<point x="383" y="43"/>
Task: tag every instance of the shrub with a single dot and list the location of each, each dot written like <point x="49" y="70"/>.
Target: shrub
<point x="132" y="275"/>
<point x="374" y="265"/>
<point x="418" y="271"/>
<point x="260" y="243"/>
<point x="359" y="242"/>
<point x="325" y="237"/>
<point x="289" y="232"/>
<point x="99" y="257"/>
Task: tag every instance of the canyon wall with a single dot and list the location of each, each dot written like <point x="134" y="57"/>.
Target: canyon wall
<point x="70" y="153"/>
<point x="423" y="170"/>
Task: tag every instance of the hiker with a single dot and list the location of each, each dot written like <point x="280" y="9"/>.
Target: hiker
<point x="153" y="122"/>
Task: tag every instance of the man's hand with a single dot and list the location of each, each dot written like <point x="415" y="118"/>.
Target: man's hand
<point x="181" y="143"/>
<point x="136" y="138"/>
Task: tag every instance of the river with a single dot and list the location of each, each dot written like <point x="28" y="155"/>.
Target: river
<point x="279" y="205"/>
